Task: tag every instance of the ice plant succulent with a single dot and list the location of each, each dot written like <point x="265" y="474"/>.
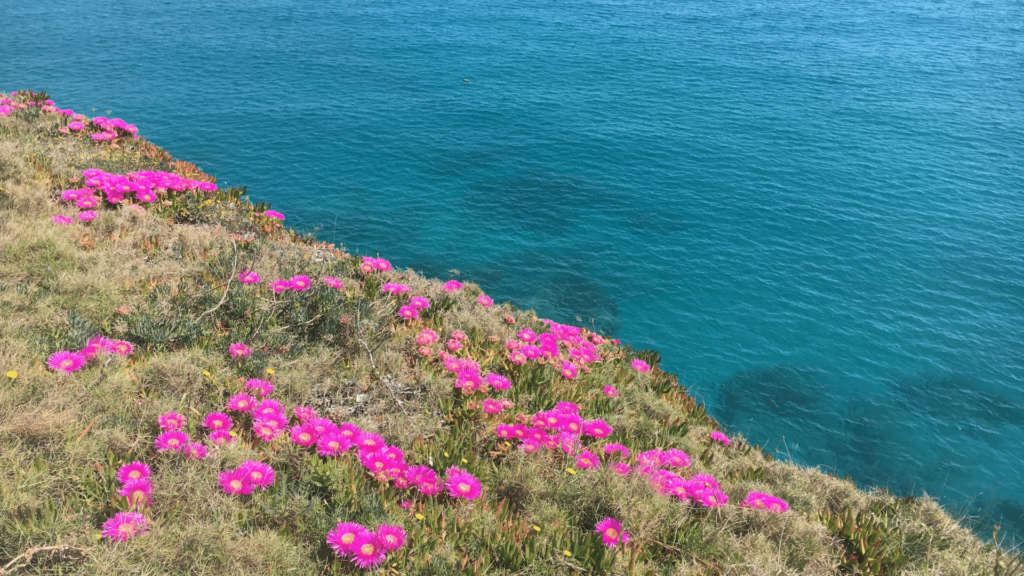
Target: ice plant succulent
<point x="762" y="501"/>
<point x="611" y="532"/>
<point x="66" y="361"/>
<point x="124" y="526"/>
<point x="171" y="421"/>
<point x="462" y="484"/>
<point x="239" y="350"/>
<point x="720" y="437"/>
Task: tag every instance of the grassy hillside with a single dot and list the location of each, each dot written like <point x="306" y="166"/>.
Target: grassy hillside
<point x="167" y="271"/>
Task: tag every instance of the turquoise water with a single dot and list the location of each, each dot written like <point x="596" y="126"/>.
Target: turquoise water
<point x="813" y="209"/>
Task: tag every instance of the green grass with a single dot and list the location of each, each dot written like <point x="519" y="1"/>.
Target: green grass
<point x="161" y="280"/>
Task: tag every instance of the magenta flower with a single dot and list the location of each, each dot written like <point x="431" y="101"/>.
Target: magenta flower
<point x="640" y="366"/>
<point x="132" y="471"/>
<point x="76" y="126"/>
<point x="367" y="551"/>
<point x="419" y="302"/>
<point x="462" y="484"/>
<point x="121" y="347"/>
<point x="342" y="536"/>
<point x="621" y="469"/>
<point x="217" y="421"/>
<point x="611" y="532"/>
<point x="392" y="288"/>
<point x="569" y="370"/>
<point x="87" y="215"/>
<point x="426" y="337"/>
<point x="171" y="441"/>
<point x="261" y="387"/>
<point x="485" y="300"/>
<point x="87" y="202"/>
<point x="171" y="421"/>
<point x="332" y="444"/>
<point x="619" y="449"/>
<point x="451" y="286"/>
<point x="699" y="484"/>
<point x="66" y="361"/>
<point x="720" y="437"/>
<point x="265" y="429"/>
<point x="382" y="264"/>
<point x="531" y="445"/>
<point x="300" y="283"/>
<point x="762" y="501"/>
<point x="333" y="282"/>
<point x="304" y="413"/>
<point x="220" y="437"/>
<point x="248" y="277"/>
<point x="303" y="435"/>
<point x="527" y="335"/>
<point x="269" y="407"/>
<point x="124" y="526"/>
<point x="453" y="345"/>
<point x="367" y="441"/>
<point x="257" y="473"/>
<point x="195" y="450"/>
<point x="137" y="491"/>
<point x="517" y="357"/>
<point x="408" y="312"/>
<point x="611" y="392"/>
<point x="279" y="286"/>
<point x="145" y="196"/>
<point x="492" y="406"/>
<point x="712" y="498"/>
<point x="241" y="402"/>
<point x="235" y="482"/>
<point x="390" y="537"/>
<point x="239" y="350"/>
<point x="567" y="408"/>
<point x="675" y="458"/>
<point x="274" y="214"/>
<point x="597" y="428"/>
<point x="498" y="382"/>
<point x="587" y="459"/>
<point x="62" y="220"/>
<point x="350" y="431"/>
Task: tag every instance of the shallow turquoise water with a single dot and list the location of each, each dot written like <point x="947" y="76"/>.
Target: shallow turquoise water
<point x="813" y="209"/>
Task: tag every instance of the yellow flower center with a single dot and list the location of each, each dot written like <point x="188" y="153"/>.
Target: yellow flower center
<point x="138" y="496"/>
<point x="348" y="538"/>
<point x="236" y="484"/>
<point x="173" y="442"/>
<point x="304" y="437"/>
<point x="128" y="528"/>
<point x="256" y="476"/>
<point x="333" y="445"/>
<point x="612" y="533"/>
<point x="66" y="364"/>
<point x="463" y="487"/>
<point x="367" y="549"/>
<point x="134" y="474"/>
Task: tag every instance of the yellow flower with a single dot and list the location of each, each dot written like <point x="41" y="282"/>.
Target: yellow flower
<point x="206" y="372"/>
<point x="566" y="552"/>
<point x="537" y="528"/>
<point x="233" y="433"/>
<point x="446" y="455"/>
<point x="570" y="471"/>
<point x="464" y="461"/>
<point x="271" y="371"/>
<point x="12" y="374"/>
<point x="420" y="516"/>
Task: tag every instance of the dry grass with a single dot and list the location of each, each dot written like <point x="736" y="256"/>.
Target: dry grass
<point x="148" y="278"/>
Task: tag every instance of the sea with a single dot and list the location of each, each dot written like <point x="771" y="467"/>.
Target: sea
<point x="814" y="210"/>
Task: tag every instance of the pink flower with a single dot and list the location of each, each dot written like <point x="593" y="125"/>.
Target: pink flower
<point x="87" y="202"/>
<point x="462" y="484"/>
<point x="121" y="347"/>
<point x="248" y="277"/>
<point x="171" y="421"/>
<point x="332" y="444"/>
<point x="527" y="335"/>
<point x="217" y="421"/>
<point x="257" y="473"/>
<point x="392" y="288"/>
<point x="597" y="428"/>
<point x="133" y="471"/>
<point x="762" y="501"/>
<point x="587" y="459"/>
<point x="87" y="215"/>
<point x="261" y="387"/>
<point x="303" y="435"/>
<point x="195" y="450"/>
<point x="621" y="469"/>
<point x="611" y="532"/>
<point x="367" y="551"/>
<point x="342" y="536"/>
<point x="171" y="441"/>
<point x="459" y="335"/>
<point x="239" y="350"/>
<point x="241" y="402"/>
<point x="220" y="437"/>
<point x="405" y="504"/>
<point x="269" y="407"/>
<point x="640" y="366"/>
<point x="235" y="482"/>
<point x="279" y="286"/>
<point x="712" y="498"/>
<point x="95" y="346"/>
<point x="720" y="437"/>
<point x="454" y="345"/>
<point x="531" y="445"/>
<point x="485" y="300"/>
<point x="408" y="312"/>
<point x="569" y="370"/>
<point x="451" y="286"/>
<point x="274" y="214"/>
<point x="619" y="449"/>
<point x="424" y="351"/>
<point x="419" y="302"/>
<point x="382" y="264"/>
<point x="304" y="413"/>
<point x="76" y="126"/>
<point x="611" y="392"/>
<point x="333" y="282"/>
<point x="498" y="382"/>
<point x="300" y="283"/>
<point x="266" y="429"/>
<point x="390" y="537"/>
<point x="517" y="357"/>
<point x="66" y="361"/>
<point x="426" y="337"/>
<point x="492" y="406"/>
<point x="368" y="441"/>
<point x="62" y="220"/>
<point x="145" y="196"/>
<point x="424" y="478"/>
<point x="124" y="526"/>
<point x="350" y="431"/>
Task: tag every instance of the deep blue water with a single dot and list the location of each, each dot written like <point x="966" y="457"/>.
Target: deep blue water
<point x="813" y="209"/>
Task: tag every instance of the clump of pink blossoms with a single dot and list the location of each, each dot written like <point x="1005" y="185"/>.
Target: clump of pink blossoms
<point x="611" y="532"/>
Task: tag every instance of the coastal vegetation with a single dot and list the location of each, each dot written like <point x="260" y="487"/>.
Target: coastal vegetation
<point x="192" y="387"/>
